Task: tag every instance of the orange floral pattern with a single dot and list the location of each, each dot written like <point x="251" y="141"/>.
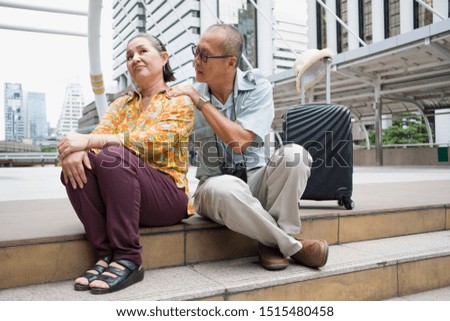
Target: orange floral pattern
<point x="159" y="134"/>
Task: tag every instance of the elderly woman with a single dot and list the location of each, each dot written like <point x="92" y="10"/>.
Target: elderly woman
<point x="131" y="171"/>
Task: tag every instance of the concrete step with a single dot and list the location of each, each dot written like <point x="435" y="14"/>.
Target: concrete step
<point x="61" y="251"/>
<point x="365" y="270"/>
<point x="439" y="294"/>
<point x="42" y="240"/>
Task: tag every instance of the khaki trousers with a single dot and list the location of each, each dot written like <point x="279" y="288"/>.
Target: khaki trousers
<point x="267" y="208"/>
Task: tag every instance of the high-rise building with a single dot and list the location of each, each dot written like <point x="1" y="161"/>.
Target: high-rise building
<point x="242" y="15"/>
<point x="178" y="24"/>
<point x="177" y="29"/>
<point x="292" y="36"/>
<point x="37" y="124"/>
<point x="14" y="112"/>
<point x="389" y="53"/>
<point x="71" y="110"/>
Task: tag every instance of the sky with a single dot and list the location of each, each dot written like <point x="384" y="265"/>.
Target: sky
<point x="46" y="63"/>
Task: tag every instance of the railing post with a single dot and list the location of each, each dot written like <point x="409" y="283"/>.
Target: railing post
<point x="378" y="125"/>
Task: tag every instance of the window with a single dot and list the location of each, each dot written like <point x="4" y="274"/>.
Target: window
<point x="422" y="16"/>
<point x="242" y="15"/>
<point x="321" y="19"/>
<point x="341" y="32"/>
<point x="365" y="21"/>
<point x="392" y="18"/>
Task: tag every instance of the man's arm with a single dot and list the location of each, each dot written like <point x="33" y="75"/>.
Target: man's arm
<point x="230" y="132"/>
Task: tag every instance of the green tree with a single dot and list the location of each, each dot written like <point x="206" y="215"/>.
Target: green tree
<point x="48" y="149"/>
<point x="407" y="128"/>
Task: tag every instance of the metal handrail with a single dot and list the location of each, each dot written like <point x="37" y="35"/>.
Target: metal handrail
<point x="394" y="146"/>
<point x="29" y="155"/>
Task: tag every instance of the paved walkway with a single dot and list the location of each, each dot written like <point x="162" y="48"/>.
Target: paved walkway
<point x="43" y="182"/>
<point x="39" y="189"/>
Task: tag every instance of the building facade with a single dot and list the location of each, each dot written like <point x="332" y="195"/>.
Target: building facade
<point x="377" y="31"/>
<point x="37" y="125"/>
<point x="71" y="111"/>
<point x="89" y="120"/>
<point x="294" y="31"/>
<point x="179" y="23"/>
<point x="14" y="112"/>
<point x="371" y="20"/>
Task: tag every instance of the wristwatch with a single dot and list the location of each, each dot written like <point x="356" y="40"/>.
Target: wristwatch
<point x="201" y="101"/>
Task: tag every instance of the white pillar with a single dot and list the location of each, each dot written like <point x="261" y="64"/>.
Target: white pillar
<point x="442" y="126"/>
<point x="98" y="87"/>
<point x="406" y="16"/>
<point x="331" y="26"/>
<point x="377" y="21"/>
<point x="353" y="23"/>
<point x="312" y="25"/>
<point x="264" y="37"/>
<point x="440" y="6"/>
<point x="207" y="18"/>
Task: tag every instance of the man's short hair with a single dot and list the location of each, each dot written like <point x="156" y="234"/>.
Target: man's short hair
<point x="233" y="44"/>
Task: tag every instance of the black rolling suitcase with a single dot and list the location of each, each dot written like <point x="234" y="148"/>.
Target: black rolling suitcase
<point x="325" y="130"/>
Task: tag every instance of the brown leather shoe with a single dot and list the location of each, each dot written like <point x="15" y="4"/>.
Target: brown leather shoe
<point x="271" y="258"/>
<point x="314" y="253"/>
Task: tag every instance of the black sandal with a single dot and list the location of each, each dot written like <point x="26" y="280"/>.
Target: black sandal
<point x="92" y="276"/>
<point x="124" y="278"/>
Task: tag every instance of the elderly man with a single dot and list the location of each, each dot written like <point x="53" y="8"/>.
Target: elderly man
<point x="240" y="186"/>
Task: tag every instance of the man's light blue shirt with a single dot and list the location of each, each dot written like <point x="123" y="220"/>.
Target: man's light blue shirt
<point x="251" y="106"/>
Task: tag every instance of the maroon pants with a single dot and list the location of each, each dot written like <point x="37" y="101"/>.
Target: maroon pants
<point x="123" y="192"/>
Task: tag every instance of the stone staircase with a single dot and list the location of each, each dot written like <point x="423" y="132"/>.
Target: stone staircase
<point x="394" y="243"/>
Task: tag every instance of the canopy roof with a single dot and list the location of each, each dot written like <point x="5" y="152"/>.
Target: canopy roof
<point x="406" y="72"/>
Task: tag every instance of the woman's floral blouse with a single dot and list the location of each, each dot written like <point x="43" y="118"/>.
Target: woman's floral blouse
<point x="159" y="134"/>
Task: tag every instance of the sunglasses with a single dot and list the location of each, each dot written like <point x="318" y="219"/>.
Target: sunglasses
<point x="204" y="57"/>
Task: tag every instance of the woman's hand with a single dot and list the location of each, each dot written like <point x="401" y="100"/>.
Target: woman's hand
<point x="73" y="168"/>
<point x="72" y="143"/>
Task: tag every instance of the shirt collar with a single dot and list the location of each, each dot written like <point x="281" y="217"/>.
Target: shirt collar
<point x="136" y="94"/>
<point x="244" y="80"/>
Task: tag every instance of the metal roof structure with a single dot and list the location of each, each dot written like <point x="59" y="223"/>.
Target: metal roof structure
<point x="406" y="73"/>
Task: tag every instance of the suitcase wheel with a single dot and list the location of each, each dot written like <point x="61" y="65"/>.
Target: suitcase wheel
<point x="347" y="202"/>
